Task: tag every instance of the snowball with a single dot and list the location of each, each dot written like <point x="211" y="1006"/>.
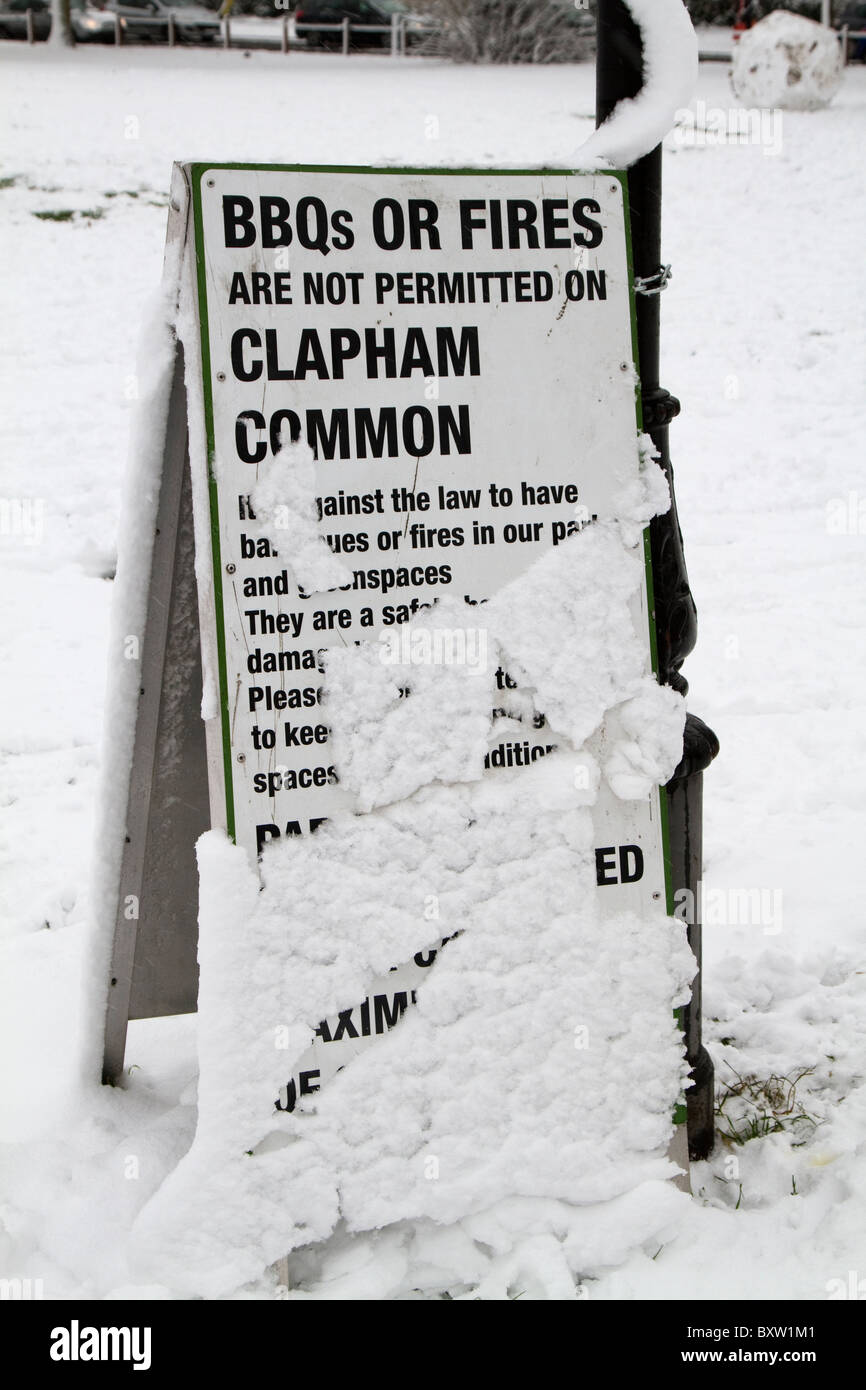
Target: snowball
<point x="787" y="61"/>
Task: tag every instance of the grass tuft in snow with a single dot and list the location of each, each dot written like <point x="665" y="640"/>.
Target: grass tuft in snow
<point x="67" y="214"/>
<point x="752" y="1108"/>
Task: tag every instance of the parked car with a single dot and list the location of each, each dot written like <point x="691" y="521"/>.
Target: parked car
<point x="89" y="23"/>
<point x="146" y="21"/>
<point x="358" y="12"/>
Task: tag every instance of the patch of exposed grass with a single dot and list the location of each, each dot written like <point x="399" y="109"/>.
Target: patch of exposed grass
<point x="69" y="214"/>
<point x="752" y="1107"/>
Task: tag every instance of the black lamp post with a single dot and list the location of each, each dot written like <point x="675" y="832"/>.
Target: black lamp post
<point x="619" y="74"/>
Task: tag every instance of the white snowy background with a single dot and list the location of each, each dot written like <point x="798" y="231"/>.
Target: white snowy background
<point x="763" y="340"/>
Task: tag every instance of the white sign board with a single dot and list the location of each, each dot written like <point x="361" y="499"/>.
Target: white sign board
<point x="457" y="347"/>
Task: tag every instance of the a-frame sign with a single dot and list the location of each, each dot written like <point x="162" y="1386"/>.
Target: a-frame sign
<point x="457" y="348"/>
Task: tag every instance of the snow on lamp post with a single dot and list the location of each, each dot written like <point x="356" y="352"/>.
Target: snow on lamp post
<point x="619" y="76"/>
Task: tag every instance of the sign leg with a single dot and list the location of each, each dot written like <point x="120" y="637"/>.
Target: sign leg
<point x="154" y="970"/>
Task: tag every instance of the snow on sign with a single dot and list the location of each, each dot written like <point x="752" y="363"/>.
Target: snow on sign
<point x="456" y="348"/>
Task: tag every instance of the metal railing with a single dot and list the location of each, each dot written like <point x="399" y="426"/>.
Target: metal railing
<point x="397" y="29"/>
<point x="846" y="34"/>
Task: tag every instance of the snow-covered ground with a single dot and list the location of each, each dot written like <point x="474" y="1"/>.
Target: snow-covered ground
<point x="763" y="342"/>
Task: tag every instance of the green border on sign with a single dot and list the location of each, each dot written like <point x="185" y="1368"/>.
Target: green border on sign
<point x="197" y="172"/>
